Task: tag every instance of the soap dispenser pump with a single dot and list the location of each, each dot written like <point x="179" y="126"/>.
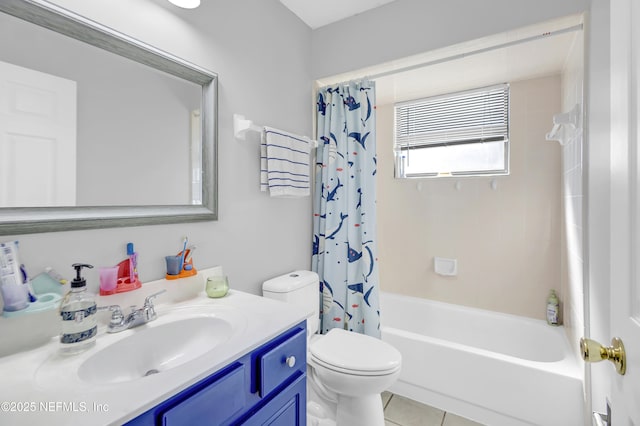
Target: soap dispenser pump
<point x="78" y="313"/>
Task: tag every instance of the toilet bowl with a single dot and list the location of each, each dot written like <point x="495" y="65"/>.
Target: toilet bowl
<point x="346" y="371"/>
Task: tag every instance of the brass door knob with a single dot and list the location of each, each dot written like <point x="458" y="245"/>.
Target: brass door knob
<point x="593" y="351"/>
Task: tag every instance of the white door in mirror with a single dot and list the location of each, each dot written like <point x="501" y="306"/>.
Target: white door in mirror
<point x="37" y="138"/>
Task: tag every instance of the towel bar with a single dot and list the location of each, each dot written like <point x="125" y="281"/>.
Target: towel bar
<point x="241" y="126"/>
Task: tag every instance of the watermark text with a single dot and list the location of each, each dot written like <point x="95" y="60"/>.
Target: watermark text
<point x="53" y="407"/>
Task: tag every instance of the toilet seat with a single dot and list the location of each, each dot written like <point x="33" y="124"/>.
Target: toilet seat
<point x="355" y="354"/>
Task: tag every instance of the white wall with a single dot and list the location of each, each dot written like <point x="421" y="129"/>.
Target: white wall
<point x="408" y="27"/>
<point x="506" y="241"/>
<point x="260" y="51"/>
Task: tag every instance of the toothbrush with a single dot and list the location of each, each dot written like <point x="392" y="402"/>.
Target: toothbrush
<point x="27" y="284"/>
<point x="184" y="249"/>
<point x="191" y="249"/>
<point x="131" y="267"/>
<point x="133" y="263"/>
<point x="56" y="276"/>
<point x="188" y="266"/>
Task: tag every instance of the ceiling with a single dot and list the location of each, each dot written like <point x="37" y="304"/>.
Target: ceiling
<point x="319" y="13"/>
<point x="460" y="67"/>
<point x="453" y="68"/>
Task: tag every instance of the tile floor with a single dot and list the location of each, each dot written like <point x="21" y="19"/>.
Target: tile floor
<point x="401" y="411"/>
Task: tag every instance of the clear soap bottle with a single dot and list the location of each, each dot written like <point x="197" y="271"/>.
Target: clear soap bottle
<point x="78" y="313"/>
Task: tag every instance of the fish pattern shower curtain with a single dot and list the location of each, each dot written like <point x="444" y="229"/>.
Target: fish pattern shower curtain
<point x="344" y="208"/>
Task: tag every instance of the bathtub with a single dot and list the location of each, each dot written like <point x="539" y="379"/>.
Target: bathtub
<point x="496" y="369"/>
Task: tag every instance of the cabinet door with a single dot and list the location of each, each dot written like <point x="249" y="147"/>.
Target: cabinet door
<point x="287" y="416"/>
<point x="287" y="408"/>
<point x="213" y="405"/>
<point x="278" y="364"/>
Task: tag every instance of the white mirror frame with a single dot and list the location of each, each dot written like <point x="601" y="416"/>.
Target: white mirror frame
<point x="27" y="220"/>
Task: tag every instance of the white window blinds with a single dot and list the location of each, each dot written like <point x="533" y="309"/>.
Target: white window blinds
<point x="479" y="115"/>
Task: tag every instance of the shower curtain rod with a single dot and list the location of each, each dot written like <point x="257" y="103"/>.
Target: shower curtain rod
<point x="475" y="52"/>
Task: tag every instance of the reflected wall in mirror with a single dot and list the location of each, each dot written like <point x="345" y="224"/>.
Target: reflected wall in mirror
<point x="98" y="129"/>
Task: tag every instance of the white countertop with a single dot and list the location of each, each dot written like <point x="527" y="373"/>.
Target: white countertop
<point x="40" y="386"/>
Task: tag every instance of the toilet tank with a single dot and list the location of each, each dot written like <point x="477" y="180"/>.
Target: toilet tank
<point x="301" y="288"/>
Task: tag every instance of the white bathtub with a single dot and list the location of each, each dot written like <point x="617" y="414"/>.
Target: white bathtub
<point x="494" y="368"/>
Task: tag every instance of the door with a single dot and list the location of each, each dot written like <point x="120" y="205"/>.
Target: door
<point x="625" y="207"/>
<point x="37" y="138"/>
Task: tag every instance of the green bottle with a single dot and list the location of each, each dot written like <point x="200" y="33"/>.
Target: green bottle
<point x="553" y="308"/>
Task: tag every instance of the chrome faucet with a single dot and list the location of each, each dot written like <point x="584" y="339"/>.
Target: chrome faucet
<point x="136" y="317"/>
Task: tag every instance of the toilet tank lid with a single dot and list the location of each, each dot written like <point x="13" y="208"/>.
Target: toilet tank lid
<point x="290" y="282"/>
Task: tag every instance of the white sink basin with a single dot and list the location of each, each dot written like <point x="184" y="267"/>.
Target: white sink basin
<point x="155" y="349"/>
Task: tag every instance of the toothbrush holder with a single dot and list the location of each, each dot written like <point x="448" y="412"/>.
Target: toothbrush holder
<point x="177" y="268"/>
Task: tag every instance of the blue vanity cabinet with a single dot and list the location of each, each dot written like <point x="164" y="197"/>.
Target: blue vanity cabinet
<point x="288" y="408"/>
<point x="264" y="387"/>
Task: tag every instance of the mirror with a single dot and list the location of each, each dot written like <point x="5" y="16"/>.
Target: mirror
<point x="98" y="129"/>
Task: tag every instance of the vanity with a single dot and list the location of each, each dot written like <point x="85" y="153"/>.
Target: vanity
<point x="264" y="387"/>
<point x="240" y="359"/>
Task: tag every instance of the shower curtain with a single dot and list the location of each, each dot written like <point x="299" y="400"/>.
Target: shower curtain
<point x="344" y="214"/>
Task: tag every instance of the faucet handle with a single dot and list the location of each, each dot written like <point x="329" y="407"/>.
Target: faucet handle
<point x="148" y="301"/>
<point x="116" y="313"/>
<point x="149" y="309"/>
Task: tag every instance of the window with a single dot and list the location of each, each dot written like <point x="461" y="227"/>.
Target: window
<point x="458" y="134"/>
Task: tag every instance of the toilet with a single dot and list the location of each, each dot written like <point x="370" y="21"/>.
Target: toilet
<point x="346" y="371"/>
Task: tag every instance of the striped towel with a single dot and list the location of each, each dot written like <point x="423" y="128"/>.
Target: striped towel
<point x="284" y="163"/>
